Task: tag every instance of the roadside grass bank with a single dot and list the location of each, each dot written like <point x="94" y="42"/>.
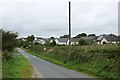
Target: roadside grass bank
<point x="16" y="67"/>
<point x="101" y="61"/>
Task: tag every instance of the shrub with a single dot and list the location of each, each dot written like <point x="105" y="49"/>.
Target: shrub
<point x="47" y="43"/>
<point x="53" y="43"/>
<point x="83" y="42"/>
<point x="6" y="55"/>
<point x="36" y="43"/>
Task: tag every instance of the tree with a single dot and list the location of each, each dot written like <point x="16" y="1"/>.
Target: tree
<point x="22" y="43"/>
<point x="91" y="35"/>
<point x="30" y="38"/>
<point x="52" y="37"/>
<point x="81" y="35"/>
<point x="9" y="42"/>
<point x="65" y="36"/>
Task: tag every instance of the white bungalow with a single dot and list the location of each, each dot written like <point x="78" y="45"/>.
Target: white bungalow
<point x="61" y="41"/>
<point x="107" y="39"/>
<point x="74" y="41"/>
<point x="39" y="40"/>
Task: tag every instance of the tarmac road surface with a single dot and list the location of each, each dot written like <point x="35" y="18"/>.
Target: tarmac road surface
<point x="47" y="69"/>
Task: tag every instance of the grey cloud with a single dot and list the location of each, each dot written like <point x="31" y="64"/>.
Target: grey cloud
<point x="50" y="18"/>
<point x="95" y="18"/>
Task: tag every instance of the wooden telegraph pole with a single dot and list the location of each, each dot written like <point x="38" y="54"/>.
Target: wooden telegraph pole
<point x="69" y="28"/>
<point x="69" y="22"/>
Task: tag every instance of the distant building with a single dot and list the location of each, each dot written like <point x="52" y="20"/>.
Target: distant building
<point x="102" y="39"/>
<point x="107" y="39"/>
<point x="51" y="40"/>
<point x="89" y="38"/>
<point x="65" y="41"/>
<point x="74" y="41"/>
<point x="39" y="40"/>
<point x="61" y="41"/>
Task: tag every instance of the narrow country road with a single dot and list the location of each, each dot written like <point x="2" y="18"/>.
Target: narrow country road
<point x="46" y="69"/>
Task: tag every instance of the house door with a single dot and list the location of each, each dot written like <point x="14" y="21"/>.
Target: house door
<point x="104" y="42"/>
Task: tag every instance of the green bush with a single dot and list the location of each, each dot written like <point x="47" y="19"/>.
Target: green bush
<point x="83" y="42"/>
<point x="6" y="55"/>
<point x="53" y="43"/>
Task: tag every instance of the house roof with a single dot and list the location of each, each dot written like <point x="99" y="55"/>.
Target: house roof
<point x="89" y="38"/>
<point x="95" y="38"/>
<point x="39" y="38"/>
<point x="108" y="37"/>
<point x="62" y="39"/>
<point x="111" y="38"/>
<point x="99" y="38"/>
<point x="74" y="39"/>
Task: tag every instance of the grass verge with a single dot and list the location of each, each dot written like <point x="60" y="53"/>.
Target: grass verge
<point x="17" y="67"/>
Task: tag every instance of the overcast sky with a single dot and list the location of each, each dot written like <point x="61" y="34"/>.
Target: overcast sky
<point x="48" y="18"/>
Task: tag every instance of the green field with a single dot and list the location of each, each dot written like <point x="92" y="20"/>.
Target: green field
<point x="17" y="67"/>
<point x="100" y="61"/>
